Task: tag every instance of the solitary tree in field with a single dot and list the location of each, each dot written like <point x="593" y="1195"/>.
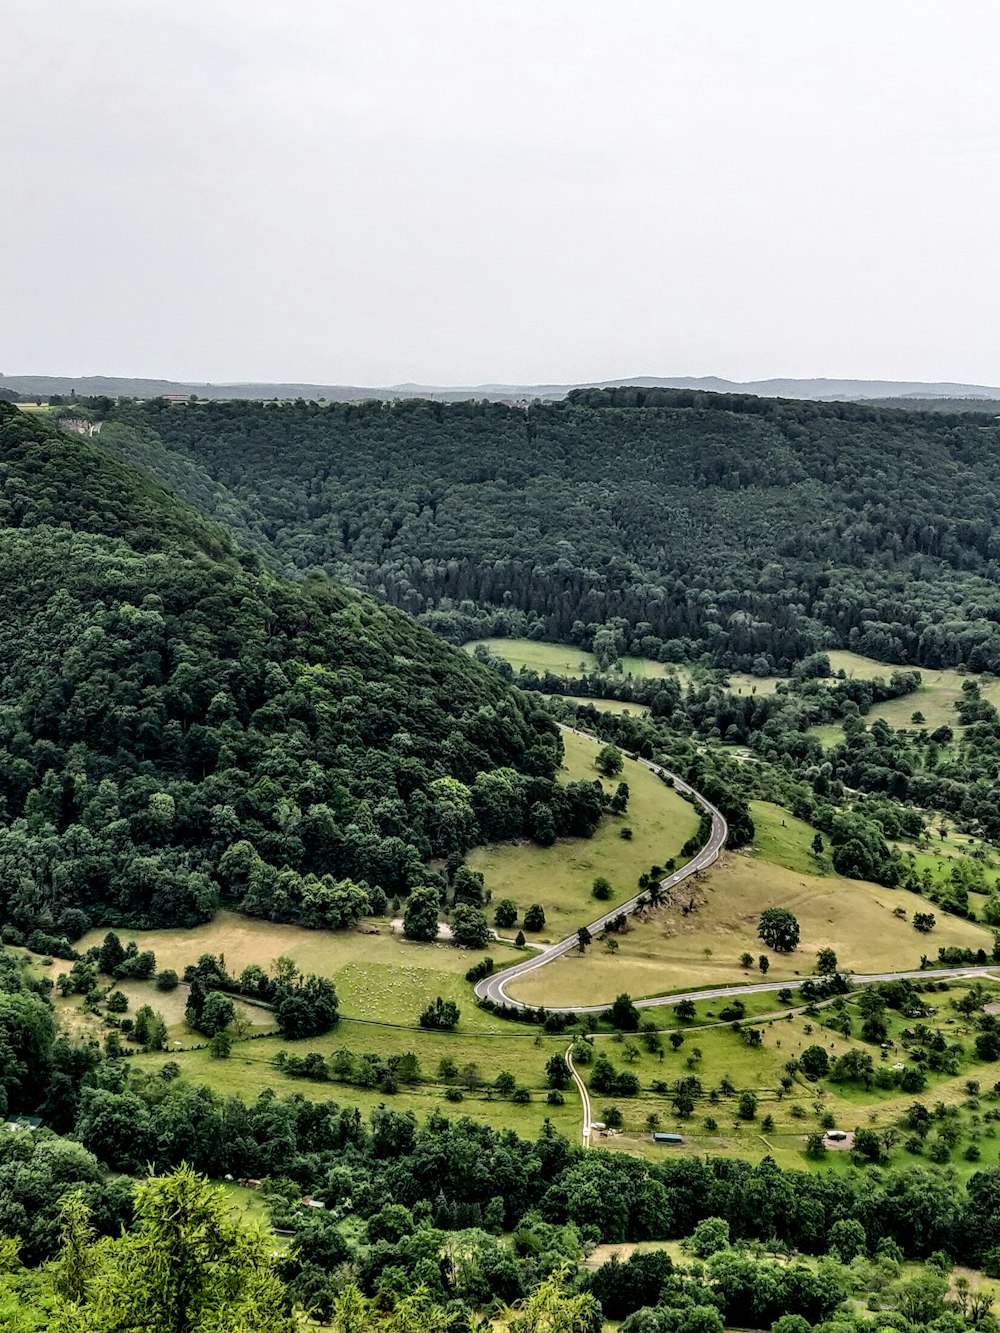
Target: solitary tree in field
<point x="505" y="1083"/>
<point x="534" y="917"/>
<point x="779" y="929"/>
<point x="583" y="938"/>
<point x="609" y="761"/>
<point x="505" y="913"/>
<point x="763" y="962"/>
<point x="557" y="1072"/>
<point x="747" y="1108"/>
<point x="623" y="1014"/>
<point x="826" y="962"/>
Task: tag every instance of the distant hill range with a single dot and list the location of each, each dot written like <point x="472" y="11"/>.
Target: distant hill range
<point x="823" y="390"/>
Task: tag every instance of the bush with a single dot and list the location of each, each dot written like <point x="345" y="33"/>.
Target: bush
<point x="167" y="980"/>
<point x="482" y="969"/>
<point x="440" y="1015"/>
<point x="602" y="889"/>
<point x="534" y="917"/>
<point x="505" y="914"/>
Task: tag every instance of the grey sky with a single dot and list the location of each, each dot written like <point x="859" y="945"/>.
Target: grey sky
<point x="456" y="191"/>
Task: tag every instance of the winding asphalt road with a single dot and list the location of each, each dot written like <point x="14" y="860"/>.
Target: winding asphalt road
<point x="494" y="987"/>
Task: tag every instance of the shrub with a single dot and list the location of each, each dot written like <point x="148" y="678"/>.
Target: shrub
<point x="534" y="917"/>
<point x="505" y="914"/>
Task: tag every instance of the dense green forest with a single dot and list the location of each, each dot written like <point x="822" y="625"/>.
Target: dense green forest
<point x="411" y="1224"/>
<point x="667" y="523"/>
<point x="182" y="725"/>
<point x="177" y="724"/>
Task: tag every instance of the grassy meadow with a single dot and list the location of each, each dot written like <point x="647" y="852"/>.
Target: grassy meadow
<point x="935" y="699"/>
<point x="377" y="975"/>
<point x="741" y="683"/>
<point x="522" y="1051"/>
<point x="696" y="941"/>
<point x="565" y="660"/>
<point x="608" y="705"/>
<point x="561" y="877"/>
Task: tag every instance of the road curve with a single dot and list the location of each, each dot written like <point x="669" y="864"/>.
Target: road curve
<point x="494" y="987"/>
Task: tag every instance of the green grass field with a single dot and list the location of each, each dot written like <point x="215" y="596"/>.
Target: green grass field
<point x="561" y="877"/>
<point x="935" y="699"/>
<point x="712" y="1055"/>
<point x="377" y="975"/>
<point x="520" y="1050"/>
<point x="565" y="660"/>
<point x="608" y="705"/>
<point x="740" y="683"/>
<point x="722" y="1052"/>
<point x="681" y="946"/>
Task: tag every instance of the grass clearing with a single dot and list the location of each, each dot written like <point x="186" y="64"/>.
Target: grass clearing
<point x="741" y="683"/>
<point x="377" y="975"/>
<point x="935" y="699"/>
<point x="722" y="1054"/>
<point x="607" y="705"/>
<point x="782" y="839"/>
<point x="561" y="877"/>
<point x="565" y="660"/>
<point x="681" y="946"/>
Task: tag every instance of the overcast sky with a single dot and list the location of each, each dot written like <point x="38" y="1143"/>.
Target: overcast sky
<point x="462" y="191"/>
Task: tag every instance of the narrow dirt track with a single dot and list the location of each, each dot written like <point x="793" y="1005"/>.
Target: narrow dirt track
<point x="581" y="1088"/>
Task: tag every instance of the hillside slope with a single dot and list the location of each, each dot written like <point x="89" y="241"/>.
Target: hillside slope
<point x="163" y="701"/>
<point x="682" y="522"/>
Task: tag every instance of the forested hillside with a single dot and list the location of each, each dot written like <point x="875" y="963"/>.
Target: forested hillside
<point x="176" y="724"/>
<point x="666" y="523"/>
